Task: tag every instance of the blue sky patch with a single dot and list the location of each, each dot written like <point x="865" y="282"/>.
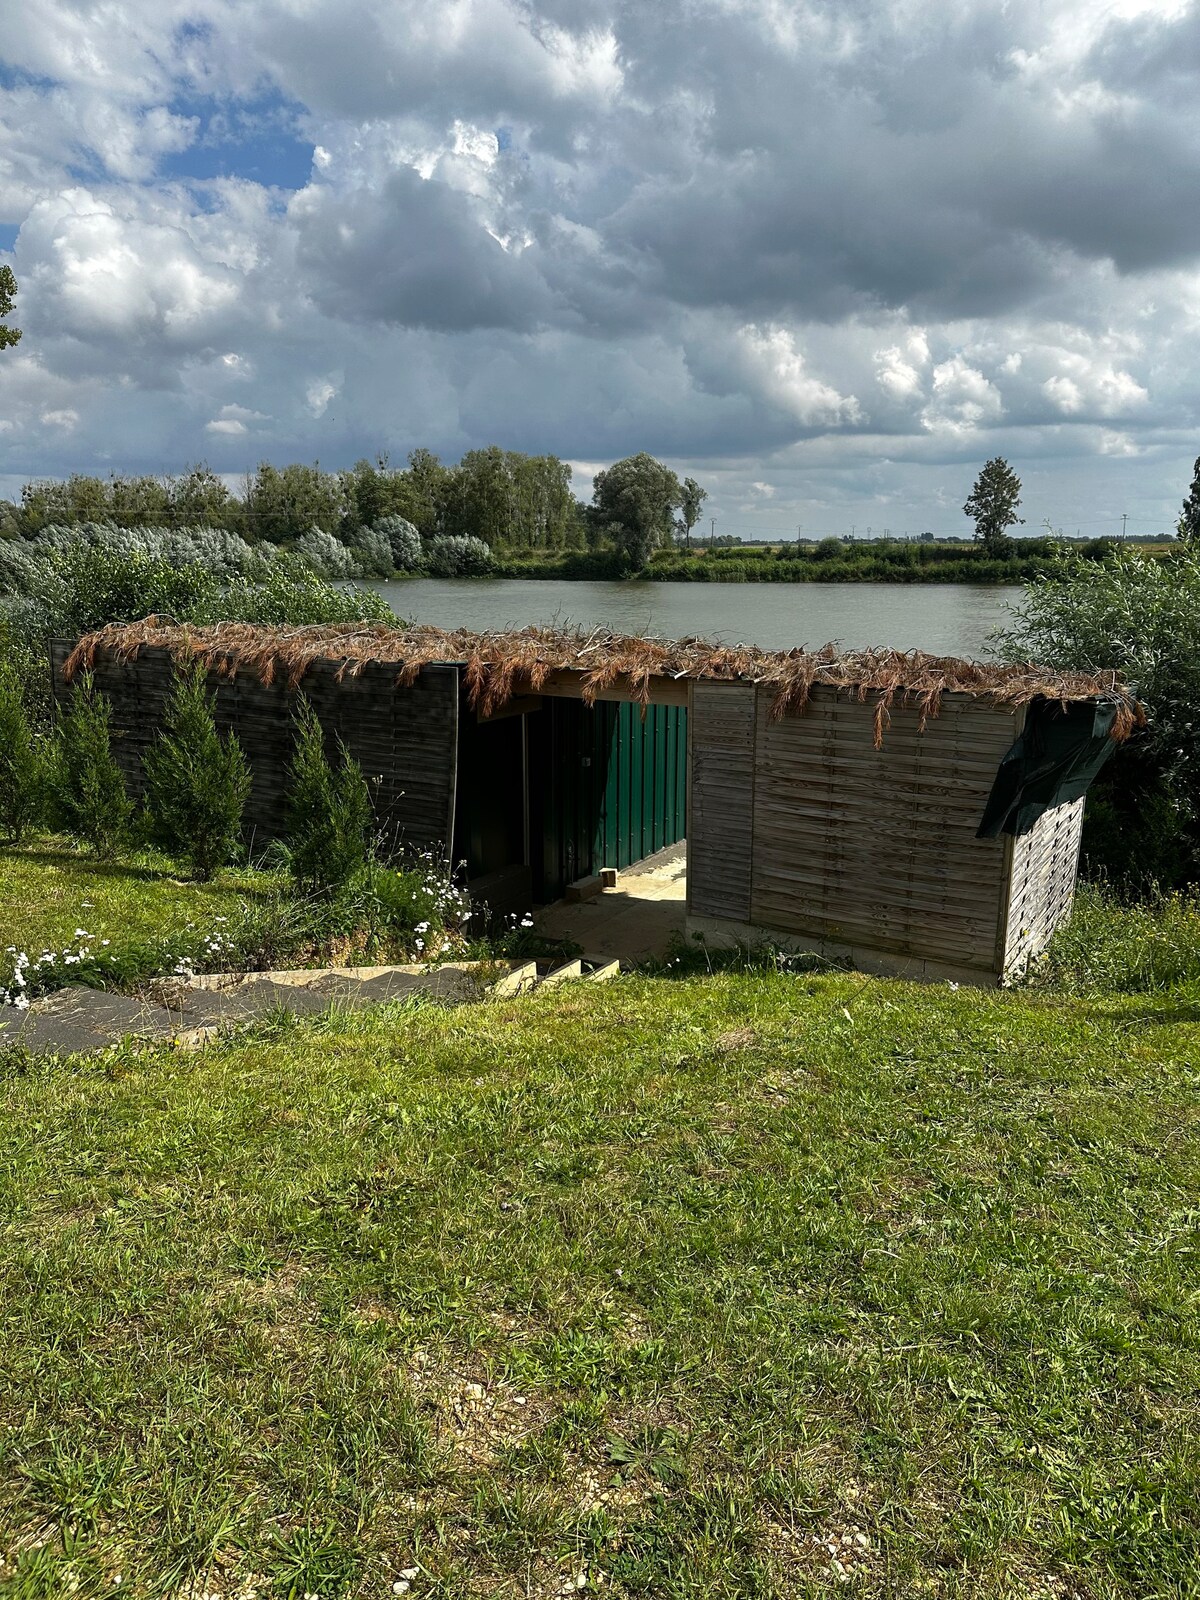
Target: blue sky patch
<point x="256" y="140"/>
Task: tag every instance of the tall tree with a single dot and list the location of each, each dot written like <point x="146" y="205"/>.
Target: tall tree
<point x="1188" y="526"/>
<point x="992" y="505"/>
<point x="482" y="497"/>
<point x="286" y="503"/>
<point x="8" y="288"/>
<point x="635" y="501"/>
<point x="690" y="507"/>
<point x="200" y="499"/>
<point x="425" y="490"/>
<point x="138" y="502"/>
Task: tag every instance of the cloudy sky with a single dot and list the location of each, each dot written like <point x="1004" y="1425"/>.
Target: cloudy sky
<point x="826" y="256"/>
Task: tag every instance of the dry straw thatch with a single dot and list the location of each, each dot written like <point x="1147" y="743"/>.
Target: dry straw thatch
<point x="497" y="666"/>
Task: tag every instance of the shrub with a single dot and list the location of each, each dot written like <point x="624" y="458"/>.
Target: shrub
<point x="292" y="593"/>
<point x="72" y="590"/>
<point x="220" y="553"/>
<point x="403" y="540"/>
<point x="329" y="810"/>
<point x="459" y="556"/>
<point x="20" y="766"/>
<point x="87" y="792"/>
<point x="326" y="555"/>
<point x="402" y="909"/>
<point x="371" y="551"/>
<point x="197" y="783"/>
<point x="1140" y="616"/>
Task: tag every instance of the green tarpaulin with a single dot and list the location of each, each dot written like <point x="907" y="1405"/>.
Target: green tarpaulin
<point x="1060" y="751"/>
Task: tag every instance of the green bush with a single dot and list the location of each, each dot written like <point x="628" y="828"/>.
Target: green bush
<point x="403" y="541"/>
<point x="399" y="909"/>
<point x="1139" y="616"/>
<point x="458" y="556"/>
<point x="329" y="810"/>
<point x="87" y="792"/>
<point x="197" y="783"/>
<point x="69" y="585"/>
<point x="72" y="590"/>
<point x="21" y="792"/>
<point x="290" y="594"/>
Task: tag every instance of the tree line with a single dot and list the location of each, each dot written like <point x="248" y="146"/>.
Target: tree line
<point x="513" y="503"/>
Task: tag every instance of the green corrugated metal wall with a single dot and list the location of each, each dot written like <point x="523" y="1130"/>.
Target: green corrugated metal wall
<point x="608" y="786"/>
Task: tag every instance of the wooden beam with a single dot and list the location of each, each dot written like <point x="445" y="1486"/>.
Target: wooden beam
<point x="516" y="707"/>
<point x="567" y="684"/>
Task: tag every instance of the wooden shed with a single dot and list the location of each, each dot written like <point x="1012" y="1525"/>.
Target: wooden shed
<point x="907" y="813"/>
<point x="803" y="829"/>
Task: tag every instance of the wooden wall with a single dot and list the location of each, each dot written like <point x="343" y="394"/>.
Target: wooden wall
<point x="720" y="814"/>
<point x="406" y="739"/>
<point x="801" y="827"/>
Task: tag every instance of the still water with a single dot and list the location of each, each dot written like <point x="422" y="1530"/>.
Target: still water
<point x="945" y="619"/>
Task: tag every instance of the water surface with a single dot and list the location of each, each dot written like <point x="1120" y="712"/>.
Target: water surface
<point x="943" y="618"/>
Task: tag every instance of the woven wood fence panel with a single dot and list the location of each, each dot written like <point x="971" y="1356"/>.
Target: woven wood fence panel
<point x="1042" y="886"/>
<point x="876" y="848"/>
<point x="405" y="739"/>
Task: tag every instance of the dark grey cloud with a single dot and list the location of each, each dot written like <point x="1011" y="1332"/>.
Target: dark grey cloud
<point x="413" y="252"/>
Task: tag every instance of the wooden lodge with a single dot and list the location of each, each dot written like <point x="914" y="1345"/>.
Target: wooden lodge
<point x="910" y="814"/>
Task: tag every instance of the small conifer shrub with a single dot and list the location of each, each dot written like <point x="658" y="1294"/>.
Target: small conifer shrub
<point x="197" y="783"/>
<point x="329" y="810"/>
<point x="20" y="764"/>
<point x="87" y="791"/>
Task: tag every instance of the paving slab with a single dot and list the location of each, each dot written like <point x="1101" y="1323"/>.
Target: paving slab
<point x="81" y="1019"/>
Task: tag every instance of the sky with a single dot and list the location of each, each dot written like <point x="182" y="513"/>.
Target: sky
<point x="826" y="257"/>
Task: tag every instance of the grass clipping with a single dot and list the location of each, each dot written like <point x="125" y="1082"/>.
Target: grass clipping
<point x="498" y="666"/>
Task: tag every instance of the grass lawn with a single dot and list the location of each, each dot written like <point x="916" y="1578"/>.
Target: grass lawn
<point x="742" y="1285"/>
<point x="50" y="890"/>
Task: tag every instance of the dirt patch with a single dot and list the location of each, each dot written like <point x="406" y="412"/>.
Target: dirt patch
<point x="473" y="1414"/>
<point x="734" y="1040"/>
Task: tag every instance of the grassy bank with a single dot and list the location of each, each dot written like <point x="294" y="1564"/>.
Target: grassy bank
<point x="50" y="891"/>
<point x="732" y="1285"/>
<point x="68" y="918"/>
<point x="831" y="561"/>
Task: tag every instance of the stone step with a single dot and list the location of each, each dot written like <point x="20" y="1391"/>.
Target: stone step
<point x="188" y="1013"/>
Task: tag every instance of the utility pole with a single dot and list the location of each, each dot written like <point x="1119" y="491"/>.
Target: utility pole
<point x="1124" y="520"/>
<point x="799" y="525"/>
<point x="712" y="531"/>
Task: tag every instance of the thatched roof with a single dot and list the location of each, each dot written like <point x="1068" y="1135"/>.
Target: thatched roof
<point x="497" y="666"/>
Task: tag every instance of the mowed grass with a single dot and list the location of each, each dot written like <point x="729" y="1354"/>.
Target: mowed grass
<point x="49" y="890"/>
<point x="742" y="1285"/>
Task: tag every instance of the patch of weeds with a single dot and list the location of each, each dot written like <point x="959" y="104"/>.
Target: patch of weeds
<point x="1121" y="947"/>
<point x="312" y="1561"/>
<point x="692" y="958"/>
<point x="657" y="1452"/>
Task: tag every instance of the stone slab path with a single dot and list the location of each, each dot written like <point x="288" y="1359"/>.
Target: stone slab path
<point x="189" y="1013"/>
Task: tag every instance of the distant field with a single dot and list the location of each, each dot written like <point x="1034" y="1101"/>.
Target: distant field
<point x="831" y="561"/>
